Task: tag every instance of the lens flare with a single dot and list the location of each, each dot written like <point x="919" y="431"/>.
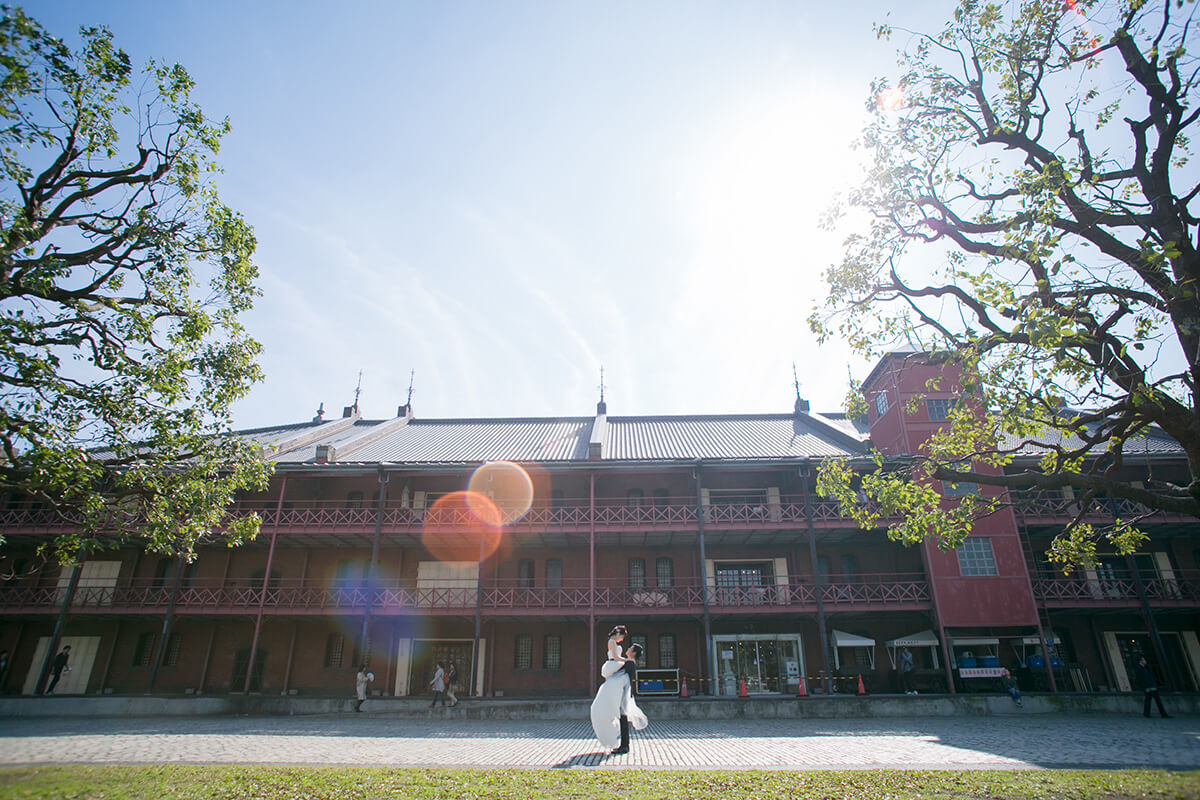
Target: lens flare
<point x="891" y="99"/>
<point x="505" y="486"/>
<point x="462" y="526"/>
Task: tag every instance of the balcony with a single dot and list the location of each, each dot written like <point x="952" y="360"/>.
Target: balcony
<point x="499" y="597"/>
<point x="1181" y="589"/>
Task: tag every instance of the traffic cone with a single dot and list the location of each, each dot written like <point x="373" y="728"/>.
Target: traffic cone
<point x="802" y="693"/>
<point x="683" y="692"/>
<point x="742" y="691"/>
<point x="861" y="689"/>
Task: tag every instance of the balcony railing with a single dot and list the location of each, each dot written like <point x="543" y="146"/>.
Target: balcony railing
<point x="667" y="513"/>
<point x="1180" y="587"/>
<point x="869" y="591"/>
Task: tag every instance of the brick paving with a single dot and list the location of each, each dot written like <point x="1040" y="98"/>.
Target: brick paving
<point x="1030" y="742"/>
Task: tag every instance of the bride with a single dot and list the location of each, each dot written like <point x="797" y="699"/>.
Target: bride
<point x="614" y="700"/>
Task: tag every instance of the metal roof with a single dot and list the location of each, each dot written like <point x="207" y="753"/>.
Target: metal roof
<point x="757" y="436"/>
<point x="425" y="441"/>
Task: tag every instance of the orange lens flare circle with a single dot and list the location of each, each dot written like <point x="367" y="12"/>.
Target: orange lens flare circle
<point x="505" y="486"/>
<point x="890" y="99"/>
<point x="462" y="526"/>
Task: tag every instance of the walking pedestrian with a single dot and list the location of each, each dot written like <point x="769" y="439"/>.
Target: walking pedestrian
<point x="60" y="665"/>
<point x="360" y="685"/>
<point x="439" y="685"/>
<point x="3" y="669"/>
<point x="1150" y="686"/>
<point x="452" y="683"/>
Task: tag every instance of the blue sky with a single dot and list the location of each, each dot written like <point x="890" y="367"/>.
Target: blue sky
<point x="504" y="197"/>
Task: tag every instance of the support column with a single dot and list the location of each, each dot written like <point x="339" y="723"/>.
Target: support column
<point x="112" y="651"/>
<point x="710" y="659"/>
<point x="287" y="673"/>
<point x="56" y="636"/>
<point x="372" y="570"/>
<point x="212" y="638"/>
<point x="166" y="625"/>
<point x="1151" y="625"/>
<point x="592" y="671"/>
<point x="262" y="600"/>
<point x="812" y="554"/>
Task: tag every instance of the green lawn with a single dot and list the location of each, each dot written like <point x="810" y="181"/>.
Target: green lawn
<point x="289" y="783"/>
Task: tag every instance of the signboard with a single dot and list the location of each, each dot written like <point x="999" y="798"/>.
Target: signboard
<point x="980" y="672"/>
<point x="657" y="681"/>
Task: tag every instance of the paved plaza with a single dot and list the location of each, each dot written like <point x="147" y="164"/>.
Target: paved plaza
<point x="1019" y="742"/>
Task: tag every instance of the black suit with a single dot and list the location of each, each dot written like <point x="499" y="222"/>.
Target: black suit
<point x="630" y="668"/>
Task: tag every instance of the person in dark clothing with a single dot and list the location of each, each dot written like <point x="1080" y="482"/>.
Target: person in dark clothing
<point x="1150" y="686"/>
<point x="60" y="664"/>
<point x="635" y="652"/>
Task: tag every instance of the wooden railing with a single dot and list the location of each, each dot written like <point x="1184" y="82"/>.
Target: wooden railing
<point x="677" y="513"/>
<point x="1181" y="587"/>
<point x="869" y="591"/>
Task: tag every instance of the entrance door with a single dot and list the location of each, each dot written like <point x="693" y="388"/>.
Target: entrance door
<point x="1132" y="646"/>
<point x="82" y="657"/>
<point x="768" y="663"/>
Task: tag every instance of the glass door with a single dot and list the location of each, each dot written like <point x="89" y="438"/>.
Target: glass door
<point x="767" y="663"/>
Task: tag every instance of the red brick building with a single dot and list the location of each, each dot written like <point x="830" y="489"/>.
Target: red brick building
<point x="702" y="534"/>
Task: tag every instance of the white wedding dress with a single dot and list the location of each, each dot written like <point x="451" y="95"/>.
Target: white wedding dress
<point x="614" y="698"/>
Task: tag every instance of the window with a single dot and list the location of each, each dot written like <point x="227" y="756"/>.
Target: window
<point x="881" y="405"/>
<point x="666" y="651"/>
<point x="634" y="498"/>
<point x="174" y="647"/>
<point x="335" y="643"/>
<point x="143" y="654"/>
<point x="554" y="573"/>
<point x="557" y="499"/>
<point x="975" y="557"/>
<point x="960" y="489"/>
<point x="662" y="498"/>
<point x="664" y="572"/>
<point x="552" y="652"/>
<point x="523" y="651"/>
<point x="939" y="409"/>
<point x="645" y="643"/>
<point x="637" y="573"/>
<point x="525" y="574"/>
<point x="163" y="572"/>
<point x="256" y="579"/>
<point x="849" y="568"/>
<point x="354" y="500"/>
<point x="345" y="576"/>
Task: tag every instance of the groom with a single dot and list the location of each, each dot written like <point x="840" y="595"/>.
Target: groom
<point x="630" y="667"/>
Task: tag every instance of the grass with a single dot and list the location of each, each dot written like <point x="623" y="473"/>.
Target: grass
<point x="343" y="783"/>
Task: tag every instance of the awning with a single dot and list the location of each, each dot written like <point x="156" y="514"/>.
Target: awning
<point x="924" y="638"/>
<point x="843" y="639"/>
<point x="975" y="642"/>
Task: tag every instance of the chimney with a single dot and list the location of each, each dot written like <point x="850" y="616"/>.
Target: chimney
<point x="404" y="410"/>
<point x="348" y="411"/>
<point x="801" y="405"/>
<point x="320" y="417"/>
<point x="326" y="453"/>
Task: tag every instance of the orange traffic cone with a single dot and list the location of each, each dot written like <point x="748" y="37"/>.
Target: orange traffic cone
<point x="861" y="689"/>
<point x="742" y="691"/>
<point x="802" y="693"/>
<point x="683" y="692"/>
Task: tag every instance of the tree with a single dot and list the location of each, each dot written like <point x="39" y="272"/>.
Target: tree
<point x="1038" y="154"/>
<point x="122" y="279"/>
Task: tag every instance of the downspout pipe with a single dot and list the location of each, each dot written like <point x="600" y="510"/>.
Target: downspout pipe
<point x="592" y="574"/>
<point x="372" y="568"/>
<point x="56" y="636"/>
<point x="478" y="616"/>
<point x="1151" y="625"/>
<point x="805" y="473"/>
<point x="262" y="600"/>
<point x="698" y="474"/>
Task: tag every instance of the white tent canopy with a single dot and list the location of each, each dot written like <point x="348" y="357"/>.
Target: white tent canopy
<point x="925" y="638"/>
<point x="843" y="639"/>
